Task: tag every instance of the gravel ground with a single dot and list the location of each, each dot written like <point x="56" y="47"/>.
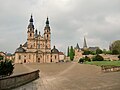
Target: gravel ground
<point x="69" y="76"/>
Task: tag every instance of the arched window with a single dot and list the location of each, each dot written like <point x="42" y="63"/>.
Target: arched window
<point x="47" y="35"/>
<point x="55" y="56"/>
<point x="30" y="34"/>
<point x="29" y="56"/>
<point x="19" y="57"/>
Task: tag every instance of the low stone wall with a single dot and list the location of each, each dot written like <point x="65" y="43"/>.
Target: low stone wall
<point x="18" y="80"/>
<point x="110" y="68"/>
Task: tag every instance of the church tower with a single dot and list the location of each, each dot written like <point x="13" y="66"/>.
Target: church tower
<point x="85" y="44"/>
<point x="47" y="36"/>
<point x="30" y="32"/>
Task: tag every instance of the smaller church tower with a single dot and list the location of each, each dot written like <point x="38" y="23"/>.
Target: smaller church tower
<point x="47" y="35"/>
<point x="85" y="44"/>
<point x="30" y="33"/>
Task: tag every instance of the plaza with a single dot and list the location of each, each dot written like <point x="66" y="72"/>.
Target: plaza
<point x="69" y="76"/>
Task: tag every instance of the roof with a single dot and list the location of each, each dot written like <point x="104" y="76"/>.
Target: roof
<point x="54" y="50"/>
<point x="93" y="48"/>
<point x="20" y="49"/>
<point x="9" y="54"/>
<point x="61" y="53"/>
<point x="25" y="44"/>
<point x="77" y="46"/>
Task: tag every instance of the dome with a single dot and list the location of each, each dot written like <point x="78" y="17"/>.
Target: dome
<point x="54" y="50"/>
<point x="20" y="49"/>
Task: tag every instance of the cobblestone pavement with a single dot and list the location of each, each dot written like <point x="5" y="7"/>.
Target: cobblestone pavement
<point x="72" y="76"/>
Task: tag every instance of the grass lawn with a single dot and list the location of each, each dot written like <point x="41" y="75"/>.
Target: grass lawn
<point x="105" y="63"/>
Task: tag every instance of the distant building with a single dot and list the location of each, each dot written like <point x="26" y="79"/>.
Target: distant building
<point x="85" y="44"/>
<point x="78" y="52"/>
<point x="10" y="56"/>
<point x="37" y="48"/>
<point x="3" y="55"/>
<point x="93" y="48"/>
<point x="61" y="56"/>
<point x="7" y="56"/>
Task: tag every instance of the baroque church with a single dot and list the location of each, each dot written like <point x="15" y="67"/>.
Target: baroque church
<point x="37" y="48"/>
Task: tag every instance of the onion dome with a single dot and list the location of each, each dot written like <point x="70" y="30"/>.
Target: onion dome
<point x="54" y="50"/>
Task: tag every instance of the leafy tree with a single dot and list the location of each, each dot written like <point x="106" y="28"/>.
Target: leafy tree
<point x="119" y="57"/>
<point x="92" y="52"/>
<point x="1" y="57"/>
<point x="86" y="52"/>
<point x="115" y="47"/>
<point x="115" y="52"/>
<point x="87" y="59"/>
<point x="108" y="52"/>
<point x="68" y="52"/>
<point x="81" y="60"/>
<point x="72" y="53"/>
<point x="98" y="58"/>
<point x="6" y="67"/>
<point x="98" y="51"/>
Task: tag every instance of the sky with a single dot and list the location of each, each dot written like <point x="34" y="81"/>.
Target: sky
<point x="70" y="21"/>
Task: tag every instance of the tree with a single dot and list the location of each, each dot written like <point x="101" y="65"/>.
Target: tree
<point x="81" y="60"/>
<point x="1" y="57"/>
<point x="98" y="58"/>
<point x="115" y="47"/>
<point x="6" y="68"/>
<point x="68" y="52"/>
<point x="93" y="52"/>
<point x="98" y="51"/>
<point x="71" y="53"/>
<point x="86" y="52"/>
<point x="87" y="59"/>
<point x="115" y="52"/>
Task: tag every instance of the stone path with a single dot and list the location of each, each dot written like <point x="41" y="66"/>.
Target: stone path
<point x="72" y="76"/>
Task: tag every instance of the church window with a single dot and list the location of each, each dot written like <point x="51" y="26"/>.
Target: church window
<point x="19" y="57"/>
<point x="30" y="34"/>
<point x="38" y="59"/>
<point x="39" y="46"/>
<point x="29" y="56"/>
<point x="55" y="56"/>
<point x="47" y="56"/>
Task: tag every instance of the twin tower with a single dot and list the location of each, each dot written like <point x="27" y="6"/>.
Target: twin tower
<point x="37" y="48"/>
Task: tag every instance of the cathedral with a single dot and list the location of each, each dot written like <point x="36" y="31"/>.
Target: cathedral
<point x="37" y="48"/>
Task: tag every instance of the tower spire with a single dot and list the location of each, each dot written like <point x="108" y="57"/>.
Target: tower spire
<point x="47" y="24"/>
<point x="47" y="21"/>
<point x="77" y="46"/>
<point x="31" y="26"/>
<point x="85" y="43"/>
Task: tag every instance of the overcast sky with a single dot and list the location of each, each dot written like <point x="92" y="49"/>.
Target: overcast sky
<point x="70" y="21"/>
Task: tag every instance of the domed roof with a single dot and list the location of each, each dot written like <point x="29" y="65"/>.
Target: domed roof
<point x="54" y="50"/>
<point x="20" y="49"/>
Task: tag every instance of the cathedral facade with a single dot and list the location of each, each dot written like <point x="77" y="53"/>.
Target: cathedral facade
<point x="37" y="48"/>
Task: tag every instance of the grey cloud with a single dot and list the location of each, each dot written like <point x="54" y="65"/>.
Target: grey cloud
<point x="70" y="20"/>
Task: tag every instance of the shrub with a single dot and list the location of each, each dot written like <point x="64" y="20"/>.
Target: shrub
<point x="1" y="57"/>
<point x="115" y="52"/>
<point x="86" y="52"/>
<point x="81" y="60"/>
<point x="6" y="68"/>
<point x="98" y="58"/>
<point x="87" y="59"/>
<point x="119" y="57"/>
<point x="99" y="51"/>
